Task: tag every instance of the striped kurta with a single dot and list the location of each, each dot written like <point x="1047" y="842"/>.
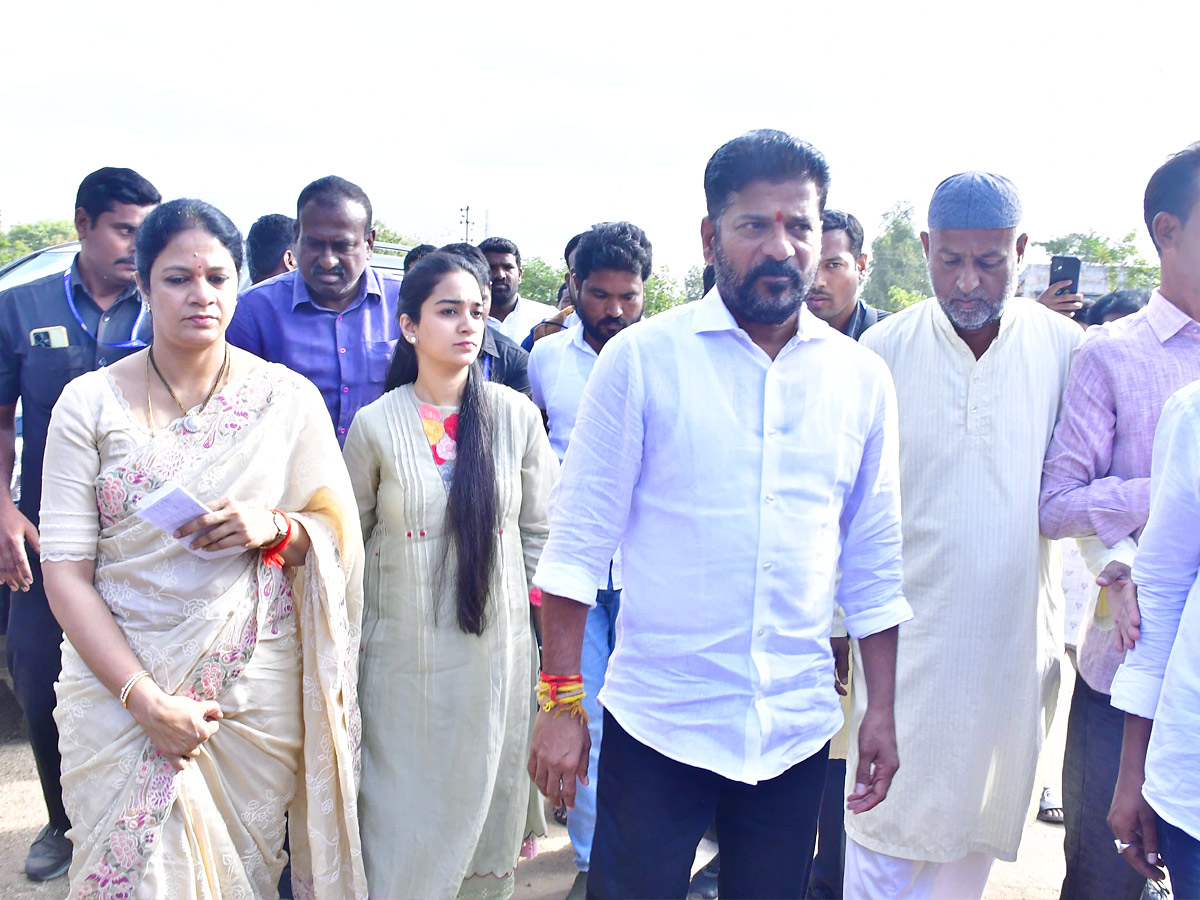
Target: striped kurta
<point x="977" y="671"/>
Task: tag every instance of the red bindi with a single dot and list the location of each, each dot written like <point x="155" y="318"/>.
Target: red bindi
<point x="779" y="216"/>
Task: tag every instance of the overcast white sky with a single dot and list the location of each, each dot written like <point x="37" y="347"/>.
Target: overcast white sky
<point x="546" y="118"/>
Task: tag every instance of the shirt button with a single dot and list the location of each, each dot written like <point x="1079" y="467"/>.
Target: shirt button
<point x="106" y="318"/>
<point x="770" y="498"/>
<point x="760" y="632"/>
<point x="102" y="361"/>
<point x="974" y="409"/>
<point x="771" y="432"/>
<point x="766" y="565"/>
<point x="339" y="318"/>
<point x="341" y="431"/>
<point x="345" y="390"/>
<point x="341" y="349"/>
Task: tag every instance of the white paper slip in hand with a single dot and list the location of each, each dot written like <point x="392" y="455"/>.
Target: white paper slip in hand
<point x="172" y="507"/>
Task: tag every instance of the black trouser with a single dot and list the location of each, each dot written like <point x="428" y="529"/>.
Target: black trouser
<point x="652" y="811"/>
<point x="34" y="659"/>
<point x="828" y="868"/>
<point x="1090" y="763"/>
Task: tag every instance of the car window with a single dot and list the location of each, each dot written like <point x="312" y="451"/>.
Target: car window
<point x="45" y="263"/>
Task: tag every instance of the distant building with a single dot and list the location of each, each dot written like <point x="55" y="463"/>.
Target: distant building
<point x="1036" y="278"/>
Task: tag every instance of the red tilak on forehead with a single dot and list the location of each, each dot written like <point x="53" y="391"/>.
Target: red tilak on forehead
<point x="779" y="216"/>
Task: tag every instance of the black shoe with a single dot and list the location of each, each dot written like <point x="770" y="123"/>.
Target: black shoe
<point x="704" y="883"/>
<point x="49" y="856"/>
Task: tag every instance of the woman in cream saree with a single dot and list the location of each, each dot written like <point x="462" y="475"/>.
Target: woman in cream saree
<point x="269" y="652"/>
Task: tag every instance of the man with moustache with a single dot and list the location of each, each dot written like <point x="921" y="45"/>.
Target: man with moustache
<point x="840" y="276"/>
<point x="718" y="700"/>
<point x="610" y="265"/>
<point x="979" y="379"/>
<point x="52" y="330"/>
<point x="512" y="315"/>
<point x="332" y="319"/>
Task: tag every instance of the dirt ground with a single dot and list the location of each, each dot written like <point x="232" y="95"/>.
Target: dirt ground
<point x="1037" y="873"/>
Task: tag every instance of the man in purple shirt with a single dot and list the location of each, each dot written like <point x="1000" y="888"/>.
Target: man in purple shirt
<point x="333" y="319"/>
<point x="1096" y="486"/>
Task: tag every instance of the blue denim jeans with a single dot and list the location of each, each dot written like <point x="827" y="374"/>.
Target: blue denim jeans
<point x="1090" y="764"/>
<point x="1181" y="855"/>
<point x="599" y="637"/>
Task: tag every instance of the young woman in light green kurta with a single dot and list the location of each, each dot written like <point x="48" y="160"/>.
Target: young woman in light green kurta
<point x="451" y="474"/>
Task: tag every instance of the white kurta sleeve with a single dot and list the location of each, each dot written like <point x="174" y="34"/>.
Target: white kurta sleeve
<point x="70" y="517"/>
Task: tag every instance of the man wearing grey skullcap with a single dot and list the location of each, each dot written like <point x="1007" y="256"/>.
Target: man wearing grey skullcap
<point x="979" y="378"/>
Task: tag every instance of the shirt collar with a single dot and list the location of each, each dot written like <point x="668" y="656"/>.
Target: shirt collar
<point x="369" y="286"/>
<point x="496" y="323"/>
<point x="577" y="338"/>
<point x="713" y="315"/>
<point x="856" y="317"/>
<point x="1165" y="318"/>
<point x="489" y="343"/>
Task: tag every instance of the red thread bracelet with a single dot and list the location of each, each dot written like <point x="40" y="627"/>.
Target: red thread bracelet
<point x="273" y="555"/>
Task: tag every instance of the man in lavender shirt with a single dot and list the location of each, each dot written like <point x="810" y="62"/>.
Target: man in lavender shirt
<point x="333" y="319"/>
<point x="1096" y="487"/>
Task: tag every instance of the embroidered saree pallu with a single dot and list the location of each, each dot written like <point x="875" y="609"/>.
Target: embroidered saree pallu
<point x="277" y="649"/>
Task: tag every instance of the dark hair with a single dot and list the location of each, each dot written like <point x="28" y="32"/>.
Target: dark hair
<point x="571" y="245"/>
<point x="477" y="263"/>
<point x="1174" y="188"/>
<point x="472" y="511"/>
<point x="614" y="245"/>
<point x="104" y="188"/>
<point x="501" y="245"/>
<point x="1124" y="301"/>
<point x="416" y="254"/>
<point x="329" y="190"/>
<point x="761" y="155"/>
<point x="266" y="242"/>
<point x="176" y="217"/>
<point x="836" y="220"/>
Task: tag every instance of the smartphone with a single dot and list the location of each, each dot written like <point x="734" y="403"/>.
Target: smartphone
<point x="50" y="337"/>
<point x="1065" y="268"/>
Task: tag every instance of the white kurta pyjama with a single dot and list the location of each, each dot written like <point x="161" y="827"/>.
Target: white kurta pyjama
<point x="977" y="671"/>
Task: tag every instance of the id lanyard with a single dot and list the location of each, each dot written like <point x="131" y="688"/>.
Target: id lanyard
<point x="133" y="343"/>
<point x="487" y="366"/>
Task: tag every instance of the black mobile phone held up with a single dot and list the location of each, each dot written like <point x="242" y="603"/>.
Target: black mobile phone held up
<point x="1065" y="268"/>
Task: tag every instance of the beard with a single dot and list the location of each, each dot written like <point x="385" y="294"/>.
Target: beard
<point x="501" y="292"/>
<point x="990" y="309"/>
<point x="606" y="328"/>
<point x="773" y="305"/>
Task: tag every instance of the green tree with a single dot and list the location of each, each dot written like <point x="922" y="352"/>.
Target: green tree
<point x="387" y="235"/>
<point x="25" y="238"/>
<point x="898" y="276"/>
<point x="693" y="283"/>
<point x="540" y="281"/>
<point x="1127" y="268"/>
<point x="663" y="291"/>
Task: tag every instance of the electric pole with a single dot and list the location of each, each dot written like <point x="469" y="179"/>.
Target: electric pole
<point x="465" y="221"/>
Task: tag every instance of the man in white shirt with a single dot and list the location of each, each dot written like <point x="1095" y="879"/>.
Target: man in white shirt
<point x="511" y="314"/>
<point x="611" y="265"/>
<point x="979" y="378"/>
<point x="708" y="447"/>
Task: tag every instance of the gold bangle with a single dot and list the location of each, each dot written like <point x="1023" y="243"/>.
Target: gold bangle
<point x="133" y="679"/>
